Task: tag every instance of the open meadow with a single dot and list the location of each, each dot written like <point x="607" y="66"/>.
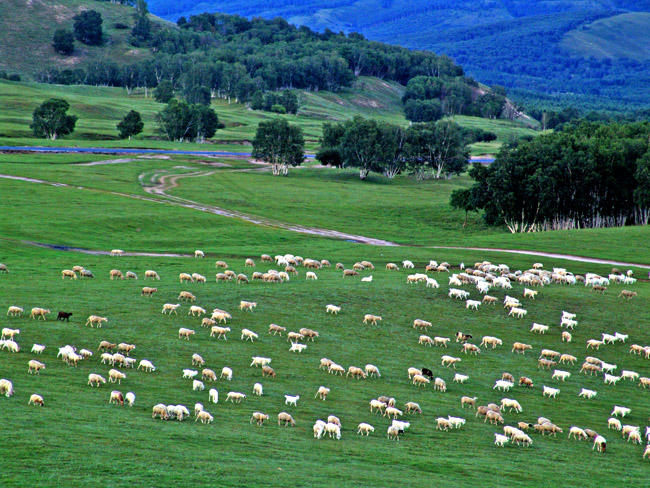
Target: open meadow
<point x="79" y="438"/>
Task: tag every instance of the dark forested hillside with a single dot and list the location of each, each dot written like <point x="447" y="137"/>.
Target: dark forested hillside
<point x="538" y="49"/>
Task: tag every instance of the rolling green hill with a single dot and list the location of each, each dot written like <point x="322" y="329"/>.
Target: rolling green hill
<point x="620" y="36"/>
<point x="27" y="28"/>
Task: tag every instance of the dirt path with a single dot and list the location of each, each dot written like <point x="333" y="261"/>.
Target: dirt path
<point x="168" y="182"/>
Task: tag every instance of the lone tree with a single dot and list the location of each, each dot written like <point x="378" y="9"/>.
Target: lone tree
<point x="63" y="41"/>
<point x="88" y="27"/>
<point x="51" y="120"/>
<point x="131" y="125"/>
<point x="279" y="144"/>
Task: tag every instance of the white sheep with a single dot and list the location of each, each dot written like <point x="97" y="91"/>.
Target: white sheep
<point x="322" y="393"/>
<point x="310" y="275"/>
<point x="364" y="428"/>
<point x="501" y="440"/>
<point x="550" y="392"/>
<point x="586" y="393"/>
<point x="258" y="389"/>
<point x="456" y="422"/>
<point x="456" y="293"/>
<point x="460" y="378"/>
<point x="568" y="323"/>
<point x="214" y="395"/>
<point x="472" y="304"/>
<point x="560" y="375"/>
<point x="189" y="373"/>
<point x="431" y="283"/>
<point x="196" y="310"/>
<point x="297" y="347"/>
<point x="38" y="348"/>
<point x="235" y="396"/>
<point x="407" y="264"/>
<point x="517" y="312"/>
<point x="226" y="372"/>
<point x="333" y="309"/>
<point x="197" y="385"/>
<point x="611" y="379"/>
<point x="503" y="385"/>
<point x="539" y="328"/>
<point x="629" y="375"/>
<point x="248" y="335"/>
<point x="291" y="400"/>
<point x="622" y="411"/>
<point x="199" y="254"/>
<point x="130" y="398"/>
<point x="171" y="307"/>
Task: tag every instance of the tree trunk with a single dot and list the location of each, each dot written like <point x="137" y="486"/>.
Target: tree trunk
<point x="363" y="172"/>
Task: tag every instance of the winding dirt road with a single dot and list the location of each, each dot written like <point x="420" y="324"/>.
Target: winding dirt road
<point x="167" y="182"/>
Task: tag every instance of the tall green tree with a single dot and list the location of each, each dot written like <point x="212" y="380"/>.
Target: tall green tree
<point x="439" y="148"/>
<point x="88" y="27"/>
<point x="141" y="31"/>
<point x="180" y="121"/>
<point x="279" y="144"/>
<point x="130" y="125"/>
<point x="63" y="41"/>
<point x="50" y="120"/>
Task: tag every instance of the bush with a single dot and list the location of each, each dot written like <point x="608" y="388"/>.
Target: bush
<point x="63" y="41"/>
<point x="278" y="109"/>
<point x="88" y="27"/>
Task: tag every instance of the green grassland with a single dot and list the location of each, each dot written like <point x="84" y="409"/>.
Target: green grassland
<point x="28" y="26"/>
<point x="79" y="438"/>
<point x="100" y="109"/>
<point x="403" y="210"/>
<point x="621" y="36"/>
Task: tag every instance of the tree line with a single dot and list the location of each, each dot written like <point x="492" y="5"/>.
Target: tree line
<point x="585" y="175"/>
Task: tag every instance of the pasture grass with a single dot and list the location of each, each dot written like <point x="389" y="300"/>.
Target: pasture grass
<point x="78" y="438"/>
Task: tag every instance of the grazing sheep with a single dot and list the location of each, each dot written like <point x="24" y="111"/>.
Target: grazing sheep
<point x="259" y="361"/>
<point x="629" y="375"/>
<point x="147" y="291"/>
<point x="297" y="347"/>
<point x="492" y="341"/>
<point x="450" y="361"/>
<point x="520" y="347"/>
<point x="244" y="305"/>
<point x="393" y="433"/>
<point x="333" y="309"/>
<point x="594" y="344"/>
<point x="15" y="311"/>
<point x="502" y="385"/>
<point x="456" y="422"/>
<point x="221" y="315"/>
<point x="146" y="365"/>
<point x="460" y="378"/>
<point x="286" y="418"/>
<point x="35" y="367"/>
<point x="392" y="412"/>
<point x="116" y="274"/>
<point x="161" y="411"/>
<point x="197" y="385"/>
<point x="336" y="369"/>
<point x="472" y="304"/>
<point x="151" y="274"/>
<point x="186" y="295"/>
<point x="590" y="368"/>
<point x="560" y="375"/>
<point x="566" y="336"/>
<point x="196" y="310"/>
<point x="611" y="379"/>
<point x="468" y="401"/>
<point x="627" y="294"/>
<point x="414" y="371"/>
<point x="116" y="397"/>
<point x="37" y="400"/>
<point x="38" y="312"/>
<point x="3" y="268"/>
<point x="268" y="371"/>
<point x="489" y="299"/>
<point x="372" y="319"/>
<point x="440" y="341"/>
<point x="38" y="349"/>
<point x="511" y="404"/>
<point x="422" y="324"/>
<point x="259" y="418"/>
<point x="378" y="405"/>
<point x="420" y="380"/>
<point x="622" y="411"/>
<point x="9" y="333"/>
<point x="501" y="440"/>
<point x="530" y="293"/>
<point x="247" y="334"/>
<point x="322" y="393"/>
<point x="235" y="396"/>
<point x="11" y="345"/>
<point x="644" y="382"/>
<point x="541" y="329"/>
<point x="213" y="395"/>
<point x="208" y="374"/>
<point x="586" y="393"/>
<point x="517" y="312"/>
<point x="425" y="339"/>
<point x="456" y="293"/>
<point x="392" y="266"/>
<point x="443" y="424"/>
<point x="372" y="370"/>
<point x="226" y="372"/>
<point x="96" y="320"/>
<point x="95" y="380"/>
<point x="568" y="323"/>
<point x="550" y="392"/>
<point x="600" y="444"/>
<point x="220" y="331"/>
<point x="185" y="333"/>
<point x="69" y="274"/>
<point x="440" y="385"/>
<point x="171" y="307"/>
<point x="276" y="329"/>
<point x="471" y="349"/>
<point x="412" y="407"/>
<point x="197" y="359"/>
<point x="190" y="373"/>
<point x="115" y="375"/>
<point x="64" y="316"/>
<point x="364" y="428"/>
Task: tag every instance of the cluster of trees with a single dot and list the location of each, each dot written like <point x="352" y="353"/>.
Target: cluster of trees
<point x="429" y="98"/>
<point x="426" y="150"/>
<point x="180" y="121"/>
<point x="51" y="120"/>
<point x="582" y="176"/>
<point x="281" y="103"/>
<point x="279" y="144"/>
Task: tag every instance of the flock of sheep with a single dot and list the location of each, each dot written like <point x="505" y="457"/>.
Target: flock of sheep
<point x="483" y="277"/>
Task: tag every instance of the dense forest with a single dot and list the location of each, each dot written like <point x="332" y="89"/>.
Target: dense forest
<point x="242" y="60"/>
<point x="514" y="43"/>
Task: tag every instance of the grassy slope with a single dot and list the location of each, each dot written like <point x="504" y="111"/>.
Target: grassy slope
<point x="620" y="36"/>
<point x="29" y="25"/>
<point x="237" y="453"/>
<point x="100" y="108"/>
<point x="402" y="210"/>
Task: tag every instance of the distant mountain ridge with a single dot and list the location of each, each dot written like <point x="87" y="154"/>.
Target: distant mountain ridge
<point x="540" y="50"/>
